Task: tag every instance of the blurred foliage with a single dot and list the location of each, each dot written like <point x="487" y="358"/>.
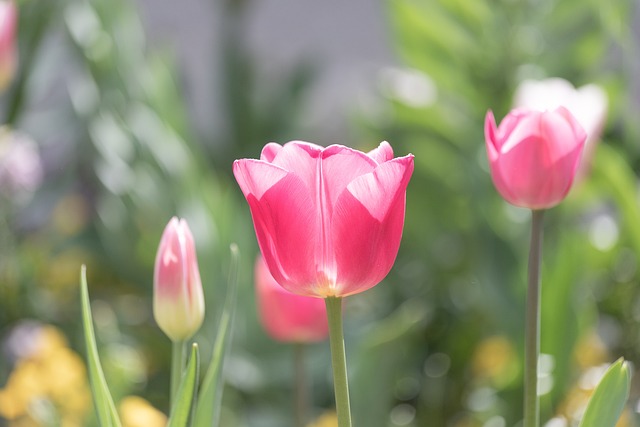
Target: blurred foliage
<point x="439" y="342"/>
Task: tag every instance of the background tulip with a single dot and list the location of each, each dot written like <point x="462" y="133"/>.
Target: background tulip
<point x="328" y="220"/>
<point x="588" y="104"/>
<point x="534" y="155"/>
<point x="178" y="300"/>
<point x="286" y="316"/>
<point x="8" y="48"/>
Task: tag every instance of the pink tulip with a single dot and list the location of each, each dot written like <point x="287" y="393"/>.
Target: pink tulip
<point x="178" y="301"/>
<point x="328" y="220"/>
<point x="285" y="316"/>
<point x="8" y="48"/>
<point x="534" y="155"/>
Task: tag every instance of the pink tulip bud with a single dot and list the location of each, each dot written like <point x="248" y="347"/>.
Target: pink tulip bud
<point x="178" y="301"/>
<point x="534" y="155"/>
<point x="8" y="49"/>
<point x="285" y="316"/>
<point x="328" y="220"/>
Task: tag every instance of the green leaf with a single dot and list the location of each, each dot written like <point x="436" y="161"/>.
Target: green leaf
<point x="181" y="413"/>
<point x="208" y="410"/>
<point x="608" y="399"/>
<point x="105" y="408"/>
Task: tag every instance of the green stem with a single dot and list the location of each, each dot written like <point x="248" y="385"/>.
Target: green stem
<point x="301" y="398"/>
<point x="177" y="368"/>
<point x="338" y="361"/>
<point x="532" y="325"/>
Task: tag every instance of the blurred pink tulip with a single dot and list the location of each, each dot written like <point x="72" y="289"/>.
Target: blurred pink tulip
<point x="328" y="220"/>
<point x="178" y="301"/>
<point x="285" y="316"/>
<point x="588" y="104"/>
<point x="534" y="155"/>
<point x="8" y="45"/>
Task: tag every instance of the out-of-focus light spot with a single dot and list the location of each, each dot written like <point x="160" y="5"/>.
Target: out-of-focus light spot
<point x="590" y="379"/>
<point x="437" y="365"/>
<point x="409" y="86"/>
<point x="402" y="415"/>
<point x="481" y="399"/>
<point x="496" y="421"/>
<point x="603" y="233"/>
<point x="626" y="266"/>
<point x="546" y="363"/>
<point x="328" y="419"/>
<point x="557" y="422"/>
<point x="495" y="360"/>
<point x="407" y="388"/>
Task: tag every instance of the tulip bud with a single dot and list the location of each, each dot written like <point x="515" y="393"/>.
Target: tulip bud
<point x="178" y="301"/>
<point x="534" y="156"/>
<point x="286" y="316"/>
<point x="8" y="49"/>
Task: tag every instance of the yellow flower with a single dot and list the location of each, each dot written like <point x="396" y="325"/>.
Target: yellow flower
<point x="137" y="412"/>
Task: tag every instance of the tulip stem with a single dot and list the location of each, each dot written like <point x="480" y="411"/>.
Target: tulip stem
<point x="177" y="367"/>
<point x="300" y="384"/>
<point x="338" y="360"/>
<point x="532" y="325"/>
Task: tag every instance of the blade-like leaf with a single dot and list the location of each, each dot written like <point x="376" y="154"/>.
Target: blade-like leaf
<point x="105" y="408"/>
<point x="608" y="399"/>
<point x="181" y="413"/>
<point x="208" y="409"/>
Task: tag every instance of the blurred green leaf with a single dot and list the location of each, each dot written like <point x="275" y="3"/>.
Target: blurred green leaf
<point x="105" y="408"/>
<point x="208" y="409"/>
<point x="607" y="402"/>
<point x="181" y="413"/>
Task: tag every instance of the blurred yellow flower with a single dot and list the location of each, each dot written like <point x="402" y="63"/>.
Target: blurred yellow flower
<point x="137" y="412"/>
<point x="495" y="360"/>
<point x="328" y="419"/>
<point x="51" y="372"/>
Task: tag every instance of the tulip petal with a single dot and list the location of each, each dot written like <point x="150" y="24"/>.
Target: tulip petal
<point x="367" y="225"/>
<point x="285" y="221"/>
<point x="490" y="131"/>
<point x="383" y="153"/>
<point x="270" y="151"/>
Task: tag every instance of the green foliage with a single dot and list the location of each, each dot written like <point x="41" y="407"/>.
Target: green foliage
<point x="609" y="398"/>
<point x="208" y="408"/>
<point x="105" y="409"/>
<point x="186" y="398"/>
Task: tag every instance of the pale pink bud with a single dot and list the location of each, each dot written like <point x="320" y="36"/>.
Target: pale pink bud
<point x="328" y="220"/>
<point x="8" y="46"/>
<point x="286" y="316"/>
<point x="534" y="155"/>
<point x="178" y="301"/>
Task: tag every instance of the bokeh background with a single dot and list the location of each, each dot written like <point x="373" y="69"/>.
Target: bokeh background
<point x="124" y="114"/>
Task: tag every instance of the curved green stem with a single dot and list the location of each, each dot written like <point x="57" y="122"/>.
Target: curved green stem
<point x="338" y="361"/>
<point x="532" y="325"/>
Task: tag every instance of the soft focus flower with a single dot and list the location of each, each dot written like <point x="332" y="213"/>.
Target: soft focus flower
<point x="178" y="301"/>
<point x="534" y="155"/>
<point x="8" y="49"/>
<point x="588" y="104"/>
<point x="286" y="316"/>
<point x="46" y="371"/>
<point x="328" y="220"/>
<point x="20" y="164"/>
<point x="137" y="412"/>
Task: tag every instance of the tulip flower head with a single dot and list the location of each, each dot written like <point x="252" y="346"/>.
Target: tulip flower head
<point x="328" y="220"/>
<point x="8" y="49"/>
<point x="533" y="155"/>
<point x="588" y="104"/>
<point x="178" y="300"/>
<point x="285" y="316"/>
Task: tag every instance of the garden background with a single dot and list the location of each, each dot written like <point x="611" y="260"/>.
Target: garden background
<point x="136" y="112"/>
